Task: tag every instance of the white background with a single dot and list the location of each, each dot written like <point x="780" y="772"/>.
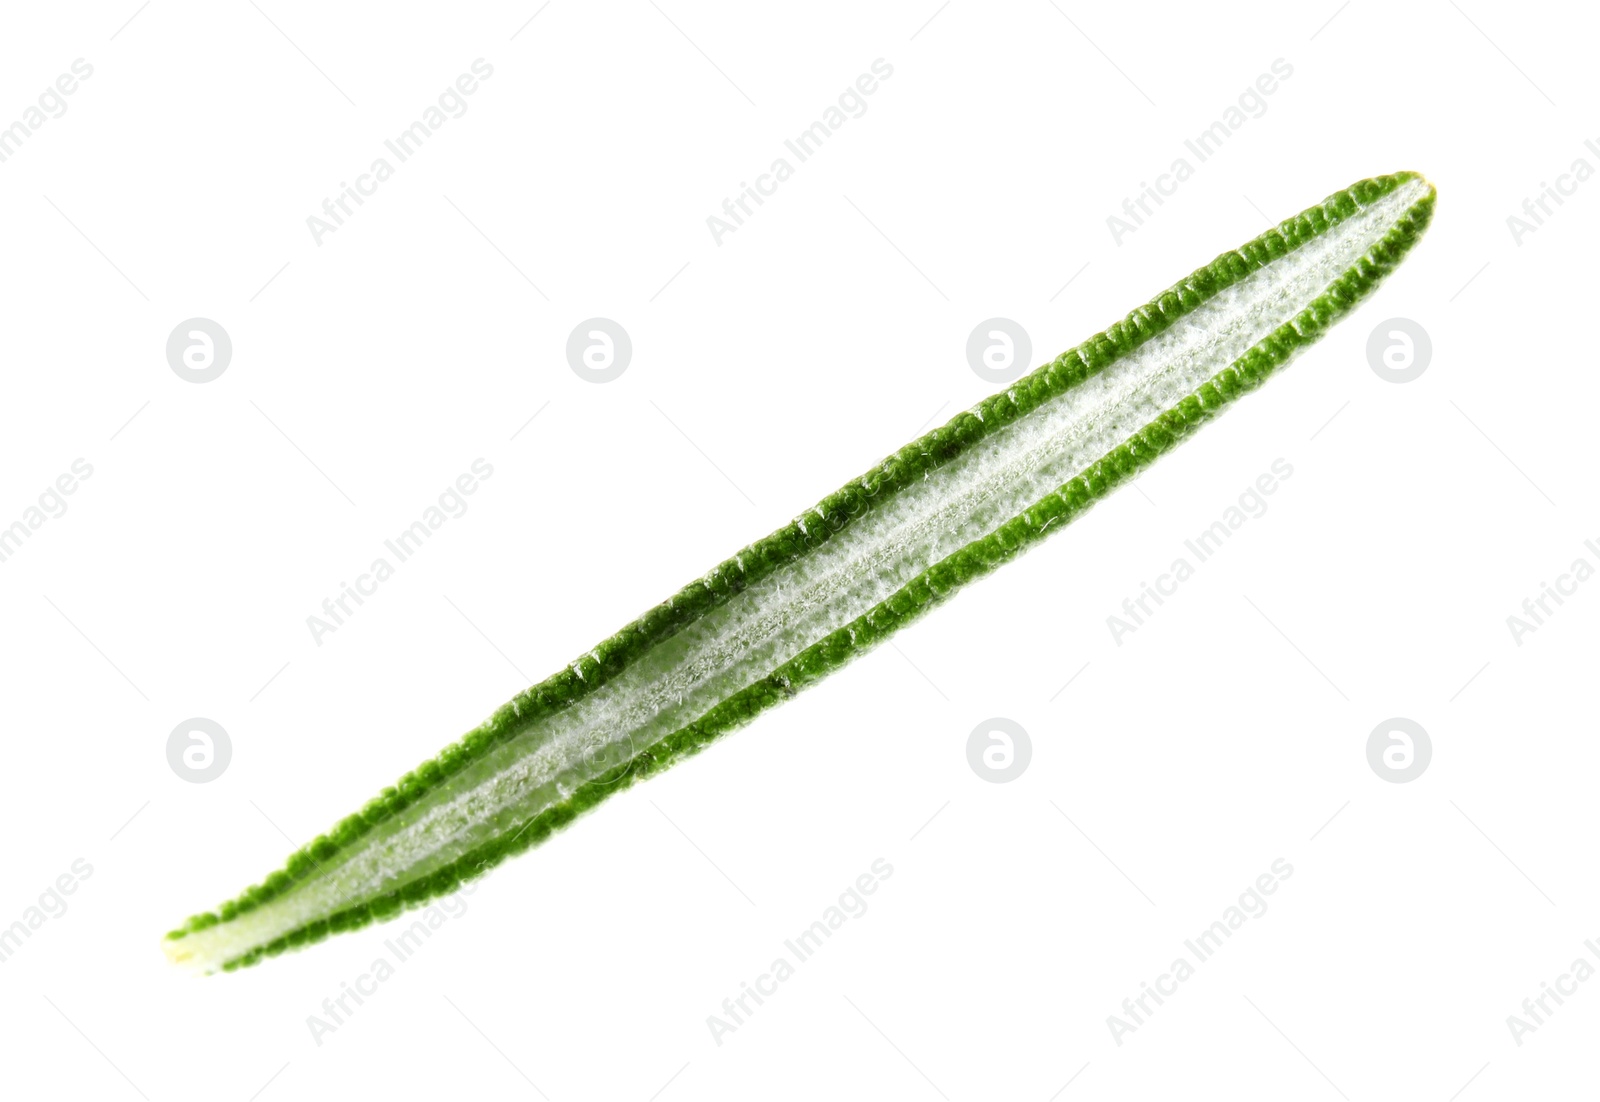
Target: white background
<point x="1227" y="732"/>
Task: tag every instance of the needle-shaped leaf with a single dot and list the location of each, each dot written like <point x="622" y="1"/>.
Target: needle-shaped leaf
<point x="847" y="573"/>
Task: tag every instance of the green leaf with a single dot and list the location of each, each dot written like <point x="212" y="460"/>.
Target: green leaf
<point x="869" y="558"/>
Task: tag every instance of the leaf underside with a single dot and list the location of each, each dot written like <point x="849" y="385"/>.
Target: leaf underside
<point x="793" y="607"/>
